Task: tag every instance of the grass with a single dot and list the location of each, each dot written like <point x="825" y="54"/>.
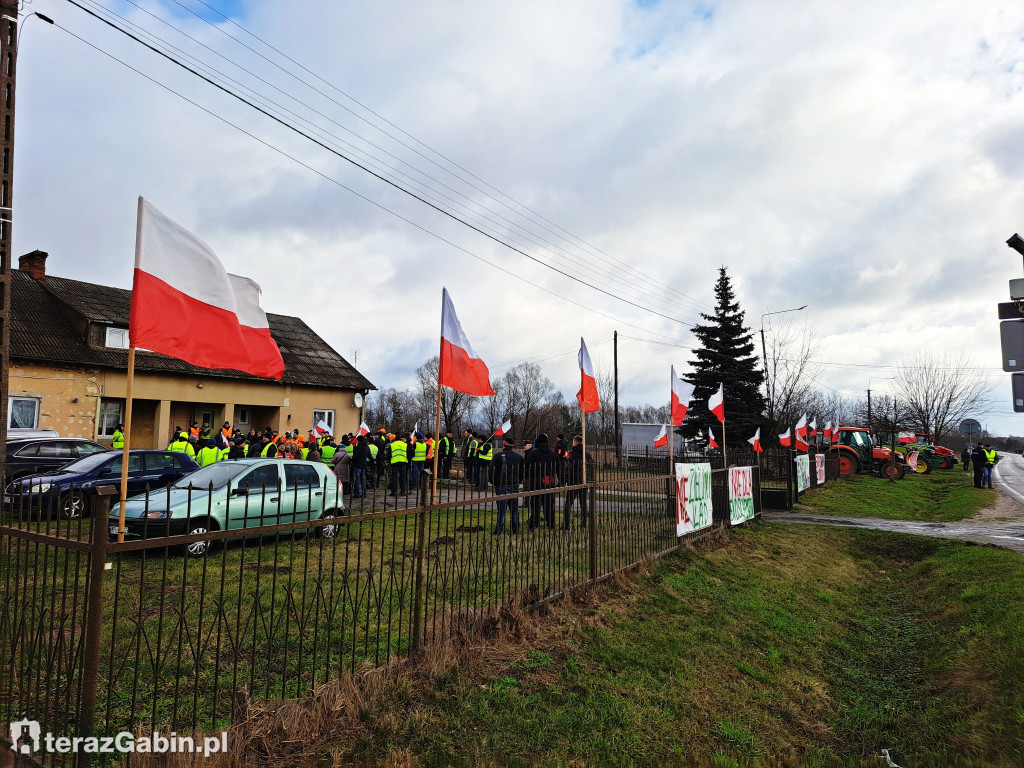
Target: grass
<point x="941" y="496"/>
<point x="785" y="646"/>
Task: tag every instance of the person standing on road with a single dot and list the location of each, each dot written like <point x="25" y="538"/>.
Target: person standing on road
<point x="990" y="461"/>
<point x="978" y="459"/>
<point x="965" y="457"/>
<point x="506" y="474"/>
<point x="446" y="446"/>
<point x="574" y="476"/>
<point x="541" y="467"/>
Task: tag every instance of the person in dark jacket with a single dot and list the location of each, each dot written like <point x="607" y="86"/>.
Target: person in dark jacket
<point x="978" y="459"/>
<point x="541" y="471"/>
<point x="238" y="449"/>
<point x="446" y="452"/>
<point x="574" y="476"/>
<point x="562" y="449"/>
<point x="965" y="457"/>
<point x="506" y="474"/>
<point x="360" y="460"/>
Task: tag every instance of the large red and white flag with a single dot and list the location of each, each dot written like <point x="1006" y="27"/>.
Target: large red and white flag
<point x="785" y="440"/>
<point x="712" y="443"/>
<point x="682" y="392"/>
<point x="363" y="429"/>
<point x="662" y="439"/>
<point x="828" y="431"/>
<point x="185" y="304"/>
<point x="460" y="368"/>
<point x="835" y="433"/>
<point x="587" y="396"/>
<point x="321" y="428"/>
<point x="801" y="427"/>
<point x="716" y="403"/>
<point x="504" y="429"/>
<point x="813" y="428"/>
<point x="755" y="441"/>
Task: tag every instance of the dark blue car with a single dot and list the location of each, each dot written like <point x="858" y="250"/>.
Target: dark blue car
<point x="70" y="492"/>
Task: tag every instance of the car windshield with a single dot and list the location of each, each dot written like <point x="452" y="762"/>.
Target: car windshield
<point x="216" y="475"/>
<point x="89" y="463"/>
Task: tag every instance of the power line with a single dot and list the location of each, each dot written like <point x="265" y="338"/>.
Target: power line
<point x="349" y="189"/>
<point x="364" y="167"/>
<point x="328" y="136"/>
<point x="696" y="305"/>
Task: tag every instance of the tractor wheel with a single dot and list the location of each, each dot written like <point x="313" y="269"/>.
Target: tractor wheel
<point x="947" y="462"/>
<point x="889" y="471"/>
<point x="923" y="467"/>
<point x="848" y="464"/>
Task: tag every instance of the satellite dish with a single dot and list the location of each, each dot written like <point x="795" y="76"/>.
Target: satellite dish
<point x="970" y="428"/>
<point x="359" y="400"/>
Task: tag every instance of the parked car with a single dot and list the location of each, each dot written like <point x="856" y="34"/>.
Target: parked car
<point x="30" y="456"/>
<point x="236" y="495"/>
<point x="70" y="492"/>
<point x="20" y="433"/>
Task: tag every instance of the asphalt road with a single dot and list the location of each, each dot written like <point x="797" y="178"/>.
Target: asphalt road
<point x="1002" y="526"/>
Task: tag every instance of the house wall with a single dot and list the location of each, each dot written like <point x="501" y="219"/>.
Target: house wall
<point x="162" y="401"/>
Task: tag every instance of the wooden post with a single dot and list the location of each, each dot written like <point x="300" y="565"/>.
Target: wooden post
<point x="127" y="444"/>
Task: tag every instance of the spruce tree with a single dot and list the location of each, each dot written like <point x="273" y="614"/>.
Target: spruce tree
<point x="726" y="355"/>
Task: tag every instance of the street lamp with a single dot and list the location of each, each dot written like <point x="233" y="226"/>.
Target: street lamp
<point x="764" y="350"/>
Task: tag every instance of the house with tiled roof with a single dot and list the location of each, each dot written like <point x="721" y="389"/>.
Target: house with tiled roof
<point x="69" y="362"/>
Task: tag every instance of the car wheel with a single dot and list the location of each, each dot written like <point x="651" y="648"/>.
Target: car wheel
<point x="72" y="505"/>
<point x="329" y="531"/>
<point x="198" y="548"/>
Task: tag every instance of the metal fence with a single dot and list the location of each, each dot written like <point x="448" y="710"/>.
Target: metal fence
<point x="102" y="637"/>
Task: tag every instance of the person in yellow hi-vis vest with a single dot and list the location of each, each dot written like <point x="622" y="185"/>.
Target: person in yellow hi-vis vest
<point x="117" y="443"/>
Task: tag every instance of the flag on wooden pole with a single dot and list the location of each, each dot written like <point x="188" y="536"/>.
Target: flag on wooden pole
<point x="185" y="305"/>
<point x="662" y="439"/>
<point x="504" y="429"/>
<point x="587" y="396"/>
<point x="716" y="403"/>
<point x="712" y="443"/>
<point x="785" y="440"/>
<point x="460" y="367"/>
<point x="755" y="441"/>
<point x="682" y="392"/>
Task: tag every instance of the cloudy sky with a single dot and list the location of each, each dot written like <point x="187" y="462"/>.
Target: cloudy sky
<point x="863" y="158"/>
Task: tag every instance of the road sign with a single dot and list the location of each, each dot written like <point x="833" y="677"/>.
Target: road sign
<point x="1011" y="337"/>
<point x="970" y="428"/>
<point x="1017" y="384"/>
<point x="1011" y="310"/>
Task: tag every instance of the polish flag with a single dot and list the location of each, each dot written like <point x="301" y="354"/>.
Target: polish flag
<point x="460" y="367"/>
<point x="711" y="440"/>
<point x="321" y="428"/>
<point x="835" y="433"/>
<point x="185" y="305"/>
<point x="785" y="440"/>
<point x="682" y="392"/>
<point x="716" y="403"/>
<point x="662" y="439"/>
<point x="814" y="427"/>
<point x="801" y="427"/>
<point x="828" y="431"/>
<point x="363" y="429"/>
<point x="755" y="441"/>
<point x="504" y="428"/>
<point x="587" y="396"/>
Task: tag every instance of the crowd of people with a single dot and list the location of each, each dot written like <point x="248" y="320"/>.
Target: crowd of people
<point x="367" y="462"/>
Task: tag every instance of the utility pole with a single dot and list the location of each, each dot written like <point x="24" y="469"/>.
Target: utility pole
<point x="615" y="359"/>
<point x="8" y="70"/>
<point x="869" y="411"/>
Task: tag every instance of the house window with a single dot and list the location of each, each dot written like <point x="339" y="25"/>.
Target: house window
<point x="325" y="416"/>
<point x="23" y="413"/>
<point x="111" y="414"/>
<point x="243" y="416"/>
<point x="117" y="338"/>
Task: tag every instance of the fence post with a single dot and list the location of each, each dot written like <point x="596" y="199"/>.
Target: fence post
<point x="421" y="545"/>
<point x="592" y="499"/>
<point x="93" y="634"/>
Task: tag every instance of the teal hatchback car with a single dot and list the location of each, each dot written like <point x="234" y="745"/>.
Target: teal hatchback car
<point x="235" y="495"/>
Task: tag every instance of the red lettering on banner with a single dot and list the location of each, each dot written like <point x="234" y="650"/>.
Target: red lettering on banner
<point x="682" y="513"/>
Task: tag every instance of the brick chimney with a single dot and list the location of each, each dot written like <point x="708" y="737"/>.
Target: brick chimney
<point x="34" y="263"/>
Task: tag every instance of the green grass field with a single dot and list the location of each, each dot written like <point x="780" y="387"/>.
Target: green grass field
<point x="785" y="646"/>
<point x="941" y="496"/>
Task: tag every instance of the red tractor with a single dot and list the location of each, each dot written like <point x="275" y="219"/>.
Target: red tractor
<point x="858" y="452"/>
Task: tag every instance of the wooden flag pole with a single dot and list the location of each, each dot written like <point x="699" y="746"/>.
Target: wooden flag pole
<point x="583" y="413"/>
<point x="725" y="460"/>
<point x="671" y="425"/>
<point x="437" y="427"/>
<point x="127" y="444"/>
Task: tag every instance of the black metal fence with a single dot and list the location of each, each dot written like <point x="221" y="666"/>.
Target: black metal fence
<point x="100" y="637"/>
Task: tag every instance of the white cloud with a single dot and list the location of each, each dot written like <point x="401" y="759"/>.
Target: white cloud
<point x="864" y="159"/>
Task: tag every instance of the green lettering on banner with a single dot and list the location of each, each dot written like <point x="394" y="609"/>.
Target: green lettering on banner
<point x="803" y="473"/>
<point x="741" y="495"/>
<point x="693" y="497"/>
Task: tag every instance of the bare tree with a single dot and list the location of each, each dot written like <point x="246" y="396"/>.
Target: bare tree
<point x="455" y="406"/>
<point x="940" y="389"/>
<point x="792" y="350"/>
<point x="392" y="409"/>
<point x="528" y="392"/>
